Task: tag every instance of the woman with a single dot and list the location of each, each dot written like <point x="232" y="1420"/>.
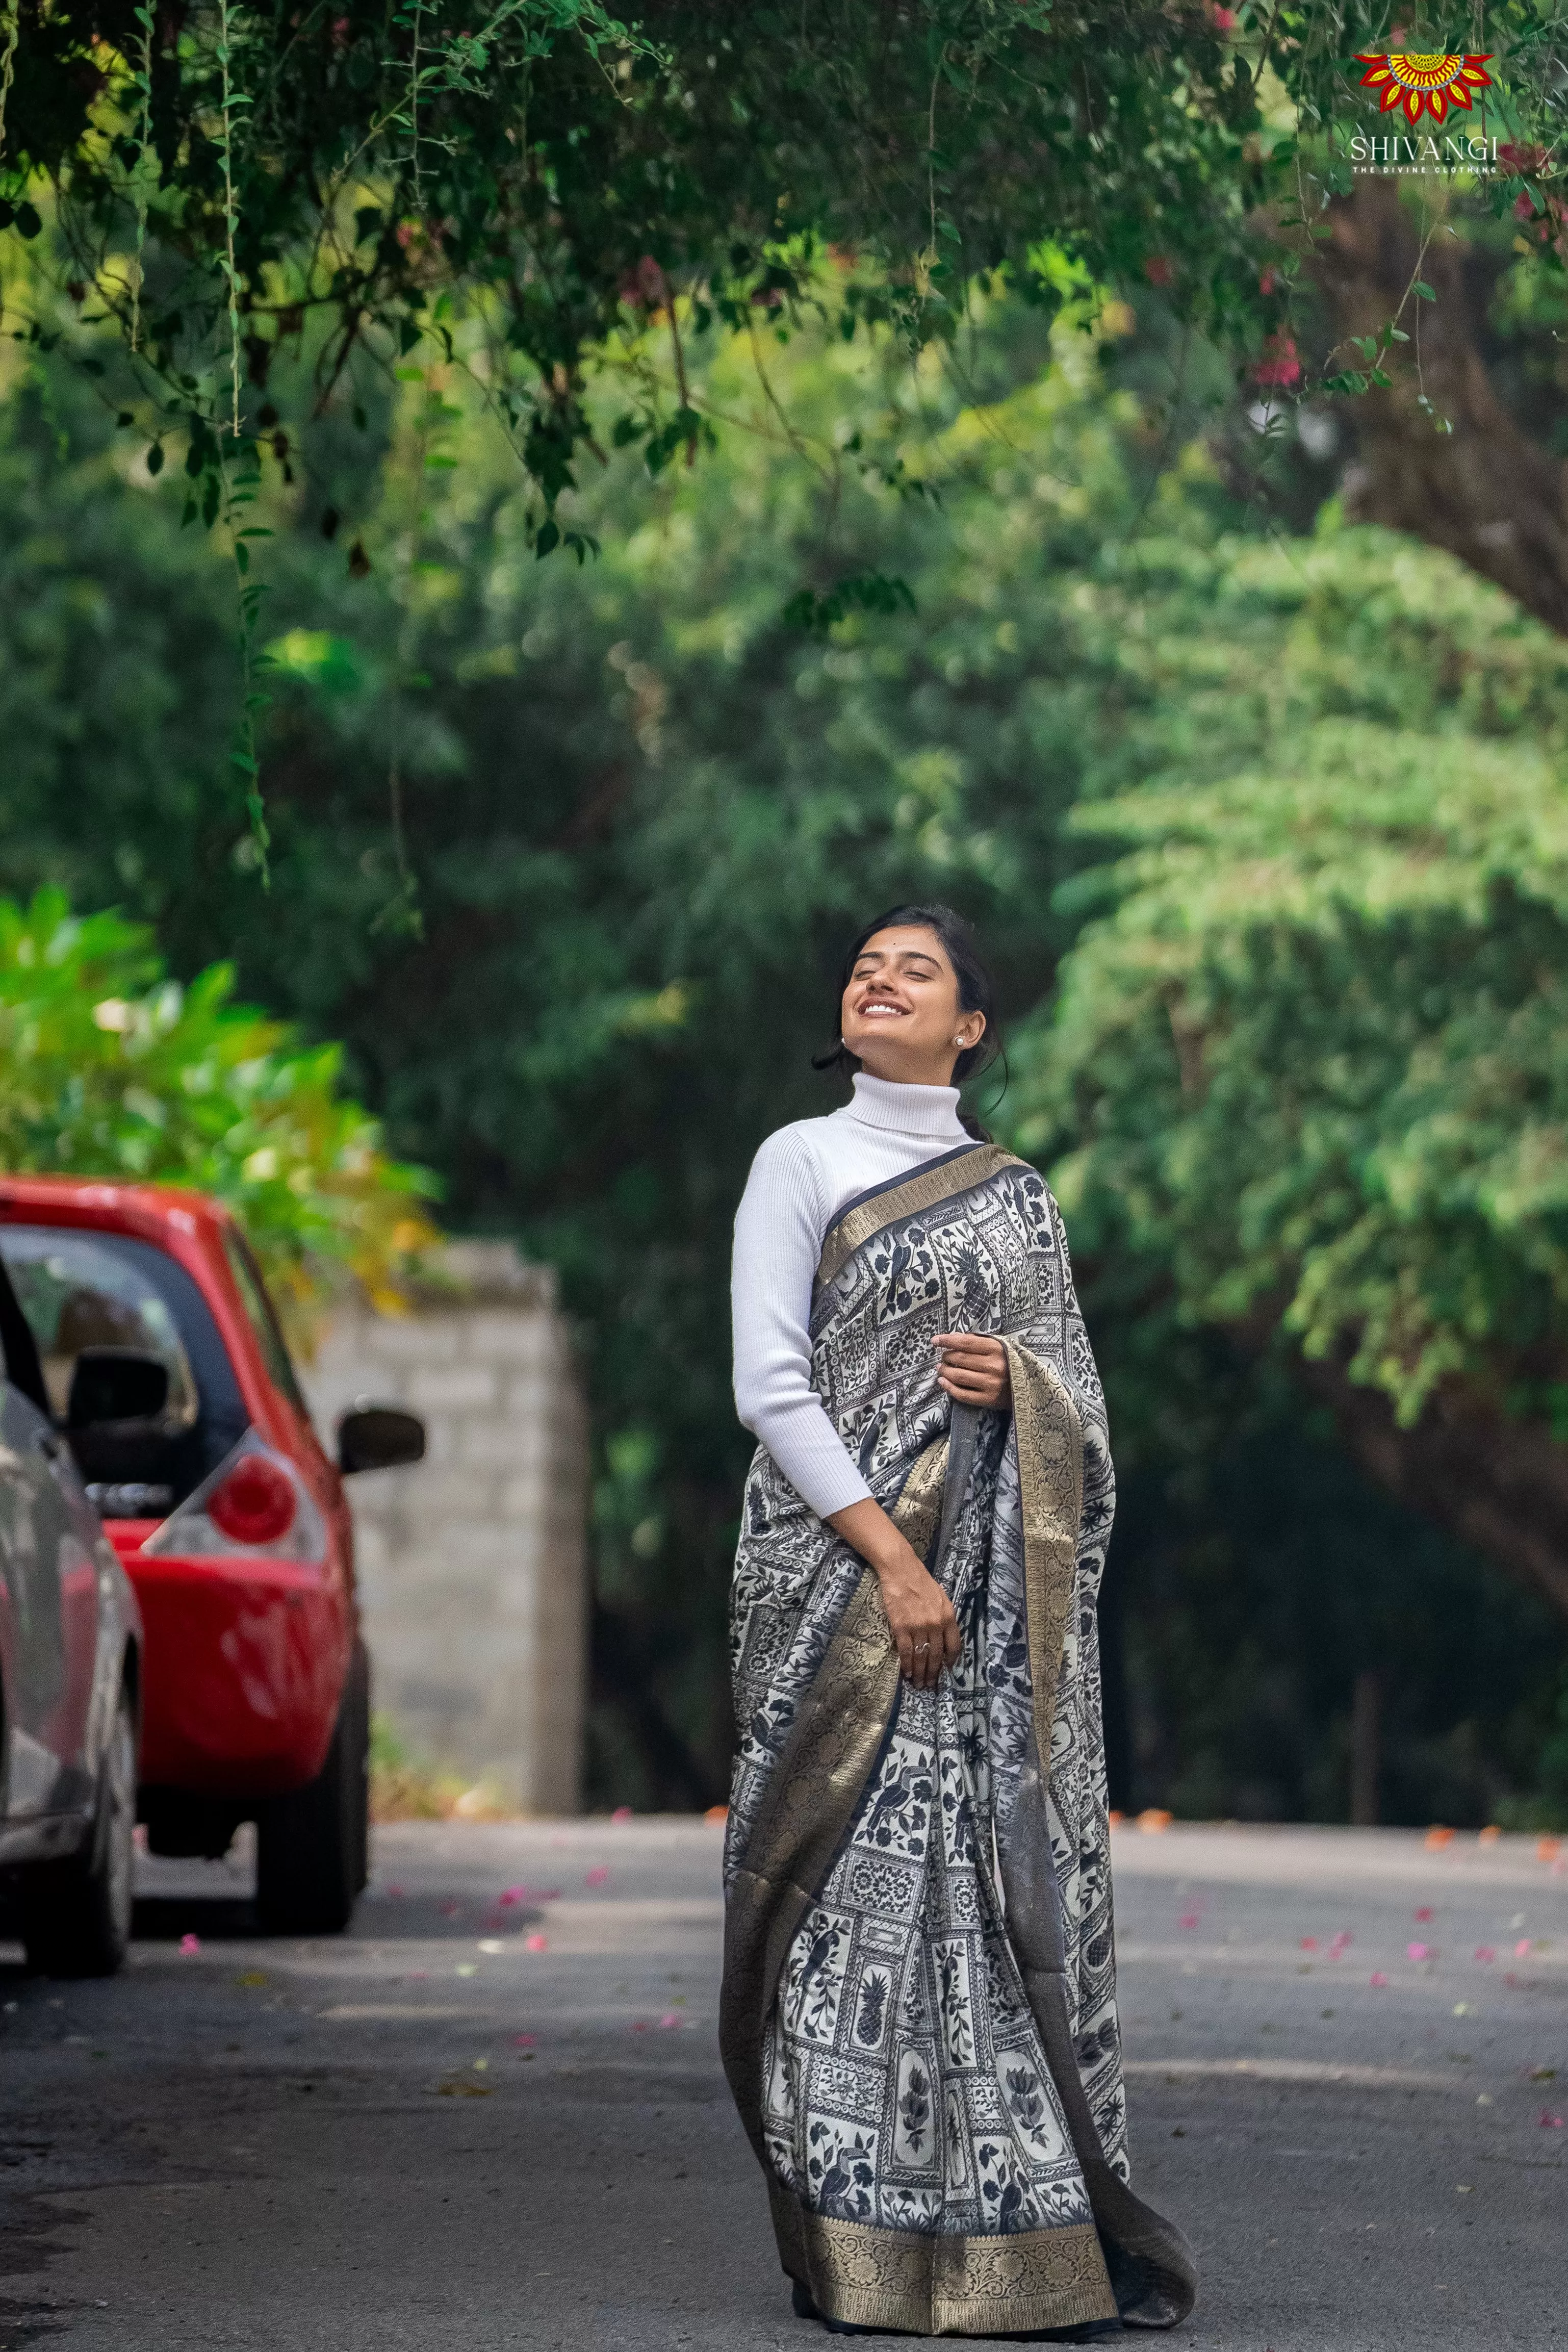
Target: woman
<point x="919" y="2016"/>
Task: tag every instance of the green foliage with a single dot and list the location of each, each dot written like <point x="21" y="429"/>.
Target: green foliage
<point x="556" y="173"/>
<point x="1310" y="1058"/>
<point x="223" y="183"/>
<point x="108" y="1068"/>
<point x="567" y="856"/>
<point x="583" y="971"/>
<point x="1254" y="1575"/>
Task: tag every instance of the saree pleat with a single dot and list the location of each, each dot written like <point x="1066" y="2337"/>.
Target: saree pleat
<point x="918" y="2021"/>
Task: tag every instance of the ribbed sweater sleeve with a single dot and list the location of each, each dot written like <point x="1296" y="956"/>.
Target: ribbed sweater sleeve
<point x="779" y="1232"/>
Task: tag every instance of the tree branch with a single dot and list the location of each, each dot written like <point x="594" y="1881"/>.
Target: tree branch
<point x="1499" y="1485"/>
<point x="1484" y="491"/>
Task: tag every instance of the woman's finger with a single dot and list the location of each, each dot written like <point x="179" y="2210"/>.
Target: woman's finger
<point x="959" y="1349"/>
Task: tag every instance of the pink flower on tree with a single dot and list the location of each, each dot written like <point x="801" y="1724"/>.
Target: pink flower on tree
<point x="1280" y="365"/>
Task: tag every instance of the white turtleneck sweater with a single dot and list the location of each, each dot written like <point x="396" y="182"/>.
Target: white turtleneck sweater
<point x="799" y="1180"/>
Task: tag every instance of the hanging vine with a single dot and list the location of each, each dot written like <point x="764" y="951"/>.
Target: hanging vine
<point x="146" y="161"/>
<point x="233" y="101"/>
<point x="11" y="20"/>
<point x="242" y="480"/>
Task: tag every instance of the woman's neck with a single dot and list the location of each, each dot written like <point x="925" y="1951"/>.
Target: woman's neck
<point x="905" y="1107"/>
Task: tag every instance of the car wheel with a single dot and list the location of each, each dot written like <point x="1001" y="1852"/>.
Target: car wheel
<point x="76" y="1914"/>
<point x="311" y="1846"/>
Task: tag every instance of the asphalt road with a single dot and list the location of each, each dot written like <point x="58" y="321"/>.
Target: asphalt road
<point x="433" y="2133"/>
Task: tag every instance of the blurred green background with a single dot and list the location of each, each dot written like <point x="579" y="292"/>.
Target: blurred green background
<point x="1259" y="815"/>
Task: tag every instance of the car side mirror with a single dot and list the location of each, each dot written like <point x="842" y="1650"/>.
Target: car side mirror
<point x="378" y="1437"/>
<point x="116" y="1384"/>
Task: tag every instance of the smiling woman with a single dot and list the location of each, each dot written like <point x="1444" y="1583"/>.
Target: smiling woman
<point x="919" y="2018"/>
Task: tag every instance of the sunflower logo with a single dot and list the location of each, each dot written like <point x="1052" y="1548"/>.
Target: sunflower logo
<point x="1424" y="80"/>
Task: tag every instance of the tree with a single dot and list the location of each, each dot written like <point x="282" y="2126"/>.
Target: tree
<point x="225" y="178"/>
<point x="108" y="1068"/>
<point x="1462" y="445"/>
<point x="1306" y="1062"/>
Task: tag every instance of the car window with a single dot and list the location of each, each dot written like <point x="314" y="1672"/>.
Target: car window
<point x="264" y="1319"/>
<point x="78" y="1290"/>
<point x="84" y="1289"/>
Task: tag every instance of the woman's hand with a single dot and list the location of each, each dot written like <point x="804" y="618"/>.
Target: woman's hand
<point x="918" y="1612"/>
<point x="974" y="1370"/>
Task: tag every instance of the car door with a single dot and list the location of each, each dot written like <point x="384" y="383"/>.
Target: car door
<point x="39" y="1550"/>
<point x="48" y="1625"/>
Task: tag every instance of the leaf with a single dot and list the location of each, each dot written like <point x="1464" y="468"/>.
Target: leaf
<point x="865" y="591"/>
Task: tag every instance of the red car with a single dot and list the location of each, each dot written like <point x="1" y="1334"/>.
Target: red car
<point x="166" y="1370"/>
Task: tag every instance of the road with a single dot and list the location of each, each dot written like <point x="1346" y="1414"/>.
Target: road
<point x="434" y="2134"/>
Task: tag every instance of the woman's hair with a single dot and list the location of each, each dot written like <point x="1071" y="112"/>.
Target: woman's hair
<point x="976" y="993"/>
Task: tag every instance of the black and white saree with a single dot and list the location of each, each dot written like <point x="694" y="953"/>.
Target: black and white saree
<point x="919" y="2018"/>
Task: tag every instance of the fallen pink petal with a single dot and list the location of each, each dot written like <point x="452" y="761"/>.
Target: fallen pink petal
<point x="597" y="1875"/>
<point x="1425" y="1911"/>
<point x="1522" y="1949"/>
<point x="535" y="1943"/>
<point x="1418" y="1952"/>
<point x="669" y="2020"/>
<point x="1189" y="1919"/>
<point x="190" y="1943"/>
<point x="622" y="1813"/>
<point x="1485" y="1952"/>
<point x="1378" y="1978"/>
<point x="511" y="1894"/>
<point x="1309" y="1942"/>
<point x="1549" y="2122"/>
<point x="523" y="2040"/>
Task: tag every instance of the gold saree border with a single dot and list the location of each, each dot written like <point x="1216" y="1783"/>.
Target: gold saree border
<point x="937" y="2286"/>
<point x="910" y="1199"/>
<point x="811" y="1798"/>
<point x="1051" y="1488"/>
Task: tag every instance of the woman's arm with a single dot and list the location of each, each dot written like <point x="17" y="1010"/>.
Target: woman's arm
<point x="919" y="1612"/>
<point x="777" y="1241"/>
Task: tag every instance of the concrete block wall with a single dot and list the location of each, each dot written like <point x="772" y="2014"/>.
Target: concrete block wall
<point x="471" y="1566"/>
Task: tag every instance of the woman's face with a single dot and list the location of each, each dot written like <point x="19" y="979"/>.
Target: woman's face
<point x="900" y="1015"/>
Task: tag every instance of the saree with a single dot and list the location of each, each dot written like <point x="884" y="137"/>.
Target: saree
<point x="918" y="2021"/>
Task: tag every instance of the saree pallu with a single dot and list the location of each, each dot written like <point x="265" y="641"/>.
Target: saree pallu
<point x="919" y="2012"/>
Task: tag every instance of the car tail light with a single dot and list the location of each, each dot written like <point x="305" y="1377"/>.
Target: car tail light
<point x="255" y="1503"/>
